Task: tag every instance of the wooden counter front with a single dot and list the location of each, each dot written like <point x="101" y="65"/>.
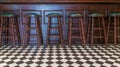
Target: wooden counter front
<point x="58" y="1"/>
<point x="24" y="6"/>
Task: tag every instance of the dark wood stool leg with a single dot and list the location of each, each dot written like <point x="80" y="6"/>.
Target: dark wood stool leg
<point x="60" y="31"/>
<point x="99" y="24"/>
<point x="104" y="29"/>
<point x="17" y="30"/>
<point x="88" y="30"/>
<point x="92" y="31"/>
<point x="48" y="31"/>
<point x="38" y="31"/>
<point x="115" y="40"/>
<point x="28" y="30"/>
<point x="1" y="30"/>
<point x="70" y="26"/>
<point x="12" y="30"/>
<point x="82" y="31"/>
<point x="6" y="32"/>
<point x="108" y="29"/>
<point x="118" y="28"/>
<point x="25" y="31"/>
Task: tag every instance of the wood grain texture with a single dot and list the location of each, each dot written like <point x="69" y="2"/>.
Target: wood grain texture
<point x="59" y="1"/>
<point x="42" y="5"/>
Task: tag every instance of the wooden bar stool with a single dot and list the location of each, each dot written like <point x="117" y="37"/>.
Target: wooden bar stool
<point x="96" y="27"/>
<point x="9" y="29"/>
<point x="32" y="22"/>
<point x="114" y="25"/>
<point x="76" y="23"/>
<point x="54" y="25"/>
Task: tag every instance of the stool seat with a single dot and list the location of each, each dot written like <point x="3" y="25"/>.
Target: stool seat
<point x="32" y="14"/>
<point x="53" y="14"/>
<point x="114" y="14"/>
<point x="95" y="14"/>
<point x="8" y="14"/>
<point x="75" y="14"/>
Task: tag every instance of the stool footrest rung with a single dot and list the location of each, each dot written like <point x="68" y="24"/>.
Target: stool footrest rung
<point x="33" y="23"/>
<point x="33" y="35"/>
<point x="117" y="36"/>
<point x="75" y="28"/>
<point x="6" y="28"/>
<point x="54" y="36"/>
<point x="75" y="22"/>
<point x="98" y="37"/>
<point x="7" y="37"/>
<point x="53" y="28"/>
<point x="118" y="28"/>
<point x="98" y="28"/>
<point x="31" y="28"/>
<point x="75" y="36"/>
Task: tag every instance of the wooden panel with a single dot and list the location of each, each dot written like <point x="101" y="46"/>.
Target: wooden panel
<point x="59" y="1"/>
<point x="60" y="6"/>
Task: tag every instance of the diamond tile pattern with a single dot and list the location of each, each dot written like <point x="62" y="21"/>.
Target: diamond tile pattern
<point x="55" y="56"/>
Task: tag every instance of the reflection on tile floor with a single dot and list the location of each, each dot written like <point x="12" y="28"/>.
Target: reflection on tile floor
<point x="54" y="56"/>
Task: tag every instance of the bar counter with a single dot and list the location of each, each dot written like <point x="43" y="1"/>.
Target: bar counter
<point x="59" y="1"/>
<point x="60" y="4"/>
<point x="24" y="6"/>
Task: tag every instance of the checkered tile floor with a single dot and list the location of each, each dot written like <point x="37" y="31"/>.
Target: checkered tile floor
<point x="53" y="56"/>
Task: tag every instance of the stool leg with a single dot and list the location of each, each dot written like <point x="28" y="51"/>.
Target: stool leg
<point x="1" y="26"/>
<point x="28" y="30"/>
<point x="82" y="31"/>
<point x="40" y="30"/>
<point x="70" y="32"/>
<point x="37" y="31"/>
<point x="99" y="22"/>
<point x="48" y="31"/>
<point x="92" y="31"/>
<point x="60" y="31"/>
<point x="88" y="30"/>
<point x="108" y="29"/>
<point x="24" y="32"/>
<point x="6" y="32"/>
<point x="13" y="33"/>
<point x="104" y="29"/>
<point x="115" y="40"/>
<point x="17" y="30"/>
<point x="118" y="23"/>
